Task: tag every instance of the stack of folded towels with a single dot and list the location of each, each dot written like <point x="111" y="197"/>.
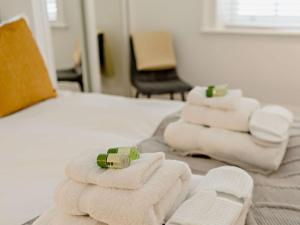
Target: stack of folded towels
<point x="146" y="193"/>
<point x="233" y="129"/>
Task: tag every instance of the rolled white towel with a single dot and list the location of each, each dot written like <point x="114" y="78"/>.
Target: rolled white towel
<point x="271" y="123"/>
<point x="84" y="169"/>
<point x="237" y="120"/>
<point x="232" y="147"/>
<point x="223" y="197"/>
<point x="229" y="102"/>
<point x="149" y="205"/>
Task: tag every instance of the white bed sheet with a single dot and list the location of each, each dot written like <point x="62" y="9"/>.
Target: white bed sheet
<point x="36" y="143"/>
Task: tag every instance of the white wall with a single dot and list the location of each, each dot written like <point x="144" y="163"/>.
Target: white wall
<point x="65" y="38"/>
<point x="110" y="20"/>
<point x="11" y="8"/>
<point x="264" y="66"/>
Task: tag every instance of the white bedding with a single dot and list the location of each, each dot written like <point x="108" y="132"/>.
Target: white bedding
<point x="36" y="143"/>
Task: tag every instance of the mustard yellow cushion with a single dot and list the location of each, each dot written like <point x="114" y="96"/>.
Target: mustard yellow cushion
<point x="24" y="79"/>
<point x="153" y="51"/>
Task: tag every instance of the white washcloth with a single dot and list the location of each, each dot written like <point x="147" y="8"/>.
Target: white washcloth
<point x="231" y="101"/>
<point x="237" y="120"/>
<point x="271" y="123"/>
<point x="150" y="205"/>
<point x="228" y="146"/>
<point x="223" y="197"/>
<point x="84" y="169"/>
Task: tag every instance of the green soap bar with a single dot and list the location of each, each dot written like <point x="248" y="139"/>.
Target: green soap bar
<point x="221" y="90"/>
<point x="118" y="161"/>
<point x="210" y="92"/>
<point x="112" y="150"/>
<point x="216" y="91"/>
<point x="132" y="152"/>
<point x="101" y="161"/>
<point x="113" y="161"/>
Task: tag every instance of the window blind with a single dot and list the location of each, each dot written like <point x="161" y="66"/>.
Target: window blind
<point x="52" y="10"/>
<point x="260" y="13"/>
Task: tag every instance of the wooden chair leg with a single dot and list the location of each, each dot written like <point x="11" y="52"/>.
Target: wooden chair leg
<point x="183" y="96"/>
<point x="148" y="95"/>
<point x="137" y="95"/>
<point x="172" y="96"/>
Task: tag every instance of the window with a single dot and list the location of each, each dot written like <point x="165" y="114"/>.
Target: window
<point x="259" y="13"/>
<point x="55" y="13"/>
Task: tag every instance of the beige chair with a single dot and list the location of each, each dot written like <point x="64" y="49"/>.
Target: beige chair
<point x="153" y="65"/>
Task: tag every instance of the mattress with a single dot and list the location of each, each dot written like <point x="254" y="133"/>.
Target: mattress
<point x="36" y="143"/>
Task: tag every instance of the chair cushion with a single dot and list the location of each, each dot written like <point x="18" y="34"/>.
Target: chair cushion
<point x="153" y="51"/>
<point x="24" y="79"/>
<point x="162" y="87"/>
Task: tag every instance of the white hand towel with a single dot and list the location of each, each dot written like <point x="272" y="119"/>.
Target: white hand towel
<point x="150" y="205"/>
<point x="84" y="169"/>
<point x="229" y="102"/>
<point x="54" y="217"/>
<point x="223" y="197"/>
<point x="271" y="123"/>
<point x="228" y="146"/>
<point x="237" y="120"/>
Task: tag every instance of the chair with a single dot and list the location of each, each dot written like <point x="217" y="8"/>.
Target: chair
<point x="156" y="82"/>
<point x="71" y="75"/>
<point x="74" y="74"/>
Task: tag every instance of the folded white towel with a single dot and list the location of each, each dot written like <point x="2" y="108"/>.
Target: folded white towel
<point x="229" y="102"/>
<point x="237" y="120"/>
<point x="271" y="123"/>
<point x="149" y="205"/>
<point x="223" y="197"/>
<point x="228" y="146"/>
<point x="84" y="169"/>
<point x="55" y="217"/>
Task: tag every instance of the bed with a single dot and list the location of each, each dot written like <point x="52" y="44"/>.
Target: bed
<point x="36" y="143"/>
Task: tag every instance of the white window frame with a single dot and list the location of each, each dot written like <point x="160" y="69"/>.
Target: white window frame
<point x="211" y="23"/>
<point x="60" y="21"/>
